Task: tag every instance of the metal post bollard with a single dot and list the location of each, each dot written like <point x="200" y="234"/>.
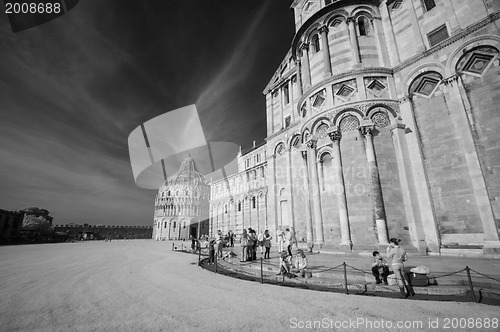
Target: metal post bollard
<point x="345" y="278"/>
<point x="261" y="273"/>
<point x="172" y="246"/>
<point x="199" y="256"/>
<point x="470" y="284"/>
<point x="215" y="262"/>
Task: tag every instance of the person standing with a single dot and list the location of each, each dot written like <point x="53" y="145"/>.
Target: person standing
<point x="243" y="245"/>
<point x="279" y="238"/>
<point x="287" y="241"/>
<point x="231" y="238"/>
<point x="252" y="242"/>
<point x="220" y="243"/>
<point x="267" y="243"/>
<point x="294" y="238"/>
<point x="398" y="256"/>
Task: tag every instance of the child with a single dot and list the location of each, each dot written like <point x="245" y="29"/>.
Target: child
<point x="211" y="252"/>
<point x="301" y="262"/>
<point x="267" y="243"/>
<point x="380" y="268"/>
<point x="285" y="263"/>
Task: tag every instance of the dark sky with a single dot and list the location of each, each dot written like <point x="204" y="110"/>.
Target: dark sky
<point x="73" y="89"/>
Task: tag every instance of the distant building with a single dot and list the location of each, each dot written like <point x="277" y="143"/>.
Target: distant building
<point x="181" y="205"/>
<point x="241" y="200"/>
<point x="10" y="226"/>
<point x="77" y="232"/>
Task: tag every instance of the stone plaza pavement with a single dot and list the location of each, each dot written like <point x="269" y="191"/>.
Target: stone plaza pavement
<point x="448" y="275"/>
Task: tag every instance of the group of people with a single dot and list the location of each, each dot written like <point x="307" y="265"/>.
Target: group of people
<point x="300" y="264"/>
<point x="249" y="242"/>
<point x="380" y="268"/>
<point x="286" y="239"/>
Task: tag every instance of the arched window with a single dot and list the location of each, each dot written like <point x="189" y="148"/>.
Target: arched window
<point x="477" y="61"/>
<point x="364" y="26"/>
<point x="315" y="43"/>
<point x="425" y="84"/>
<point x="253" y="202"/>
<point x="325" y="166"/>
<point x="349" y="123"/>
<point x="321" y="130"/>
<point x="239" y="206"/>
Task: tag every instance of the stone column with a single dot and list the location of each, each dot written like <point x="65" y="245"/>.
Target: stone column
<point x="377" y="199"/>
<point x="338" y="176"/>
<point x="316" y="195"/>
<point x="257" y="207"/>
<point x="307" y="191"/>
<point x="291" y="95"/>
<point x="306" y="67"/>
<point x="326" y="51"/>
<point x="265" y="211"/>
<point x="289" y="178"/>
<point x="299" y="77"/>
<point x="353" y="35"/>
<point x="461" y="122"/>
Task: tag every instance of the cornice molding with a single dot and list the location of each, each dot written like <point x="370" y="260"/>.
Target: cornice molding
<point x="453" y="39"/>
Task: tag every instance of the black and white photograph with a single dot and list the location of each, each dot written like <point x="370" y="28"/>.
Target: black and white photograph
<point x="250" y="165"/>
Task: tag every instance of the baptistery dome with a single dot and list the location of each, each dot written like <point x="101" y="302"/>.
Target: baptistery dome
<point x="182" y="201"/>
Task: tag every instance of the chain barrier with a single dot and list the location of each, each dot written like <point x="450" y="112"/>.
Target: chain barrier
<point x="204" y="252"/>
<point x="333" y="268"/>
<point x="356" y="269"/>
<point x="484" y="275"/>
<point x="448" y="274"/>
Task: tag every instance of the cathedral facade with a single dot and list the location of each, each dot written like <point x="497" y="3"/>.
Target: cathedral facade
<point x="382" y="121"/>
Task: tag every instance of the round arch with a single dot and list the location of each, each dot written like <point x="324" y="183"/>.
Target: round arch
<point x="325" y="150"/>
<point x="342" y="114"/>
<point x="419" y="70"/>
<point x="485" y="40"/>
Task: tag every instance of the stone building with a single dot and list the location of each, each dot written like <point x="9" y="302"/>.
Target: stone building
<point x="381" y="122"/>
<point x="11" y="223"/>
<point x="181" y="205"/>
<point x="240" y="200"/>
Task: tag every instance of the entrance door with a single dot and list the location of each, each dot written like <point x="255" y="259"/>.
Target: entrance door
<point x="193" y="231"/>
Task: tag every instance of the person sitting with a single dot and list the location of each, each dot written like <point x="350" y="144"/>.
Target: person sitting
<point x="301" y="262"/>
<point x="285" y="263"/>
<point x="380" y="268"/>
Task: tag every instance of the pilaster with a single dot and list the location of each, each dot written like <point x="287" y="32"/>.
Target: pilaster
<point x="461" y="122"/>
<point x="316" y="194"/>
